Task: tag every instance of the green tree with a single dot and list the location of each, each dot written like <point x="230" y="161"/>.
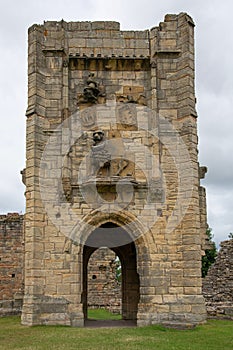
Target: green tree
<point x="210" y="254"/>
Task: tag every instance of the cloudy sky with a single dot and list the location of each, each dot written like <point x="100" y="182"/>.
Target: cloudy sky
<point x="214" y="86"/>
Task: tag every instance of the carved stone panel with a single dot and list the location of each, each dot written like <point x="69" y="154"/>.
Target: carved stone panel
<point x="127" y="117"/>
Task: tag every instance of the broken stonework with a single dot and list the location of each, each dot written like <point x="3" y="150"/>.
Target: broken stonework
<point x="104" y="289"/>
<point x="218" y="284"/>
<point x="11" y="264"/>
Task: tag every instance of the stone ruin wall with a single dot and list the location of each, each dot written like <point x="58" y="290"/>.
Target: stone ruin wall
<point x="11" y="263"/>
<point x="104" y="290"/>
<point x="218" y="284"/>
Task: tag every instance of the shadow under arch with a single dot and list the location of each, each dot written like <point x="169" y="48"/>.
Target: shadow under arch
<point x="125" y="249"/>
<point x="125" y="228"/>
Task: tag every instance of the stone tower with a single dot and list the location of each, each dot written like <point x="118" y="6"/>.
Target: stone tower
<point x="112" y="162"/>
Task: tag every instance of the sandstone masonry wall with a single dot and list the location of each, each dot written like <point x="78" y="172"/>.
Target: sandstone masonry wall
<point x="11" y="263"/>
<point x="104" y="290"/>
<point x="137" y="89"/>
<point x="218" y="284"/>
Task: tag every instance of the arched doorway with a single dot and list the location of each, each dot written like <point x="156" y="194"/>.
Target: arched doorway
<point x="108" y="235"/>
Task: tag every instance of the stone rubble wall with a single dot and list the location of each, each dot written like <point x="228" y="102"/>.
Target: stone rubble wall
<point x="104" y="290"/>
<point x="218" y="284"/>
<point x="11" y="263"/>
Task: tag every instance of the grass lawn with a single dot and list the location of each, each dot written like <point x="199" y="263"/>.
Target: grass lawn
<point x="102" y="314"/>
<point x="214" y="335"/>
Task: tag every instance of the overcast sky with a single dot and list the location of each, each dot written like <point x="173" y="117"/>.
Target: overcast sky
<point x="214" y="86"/>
